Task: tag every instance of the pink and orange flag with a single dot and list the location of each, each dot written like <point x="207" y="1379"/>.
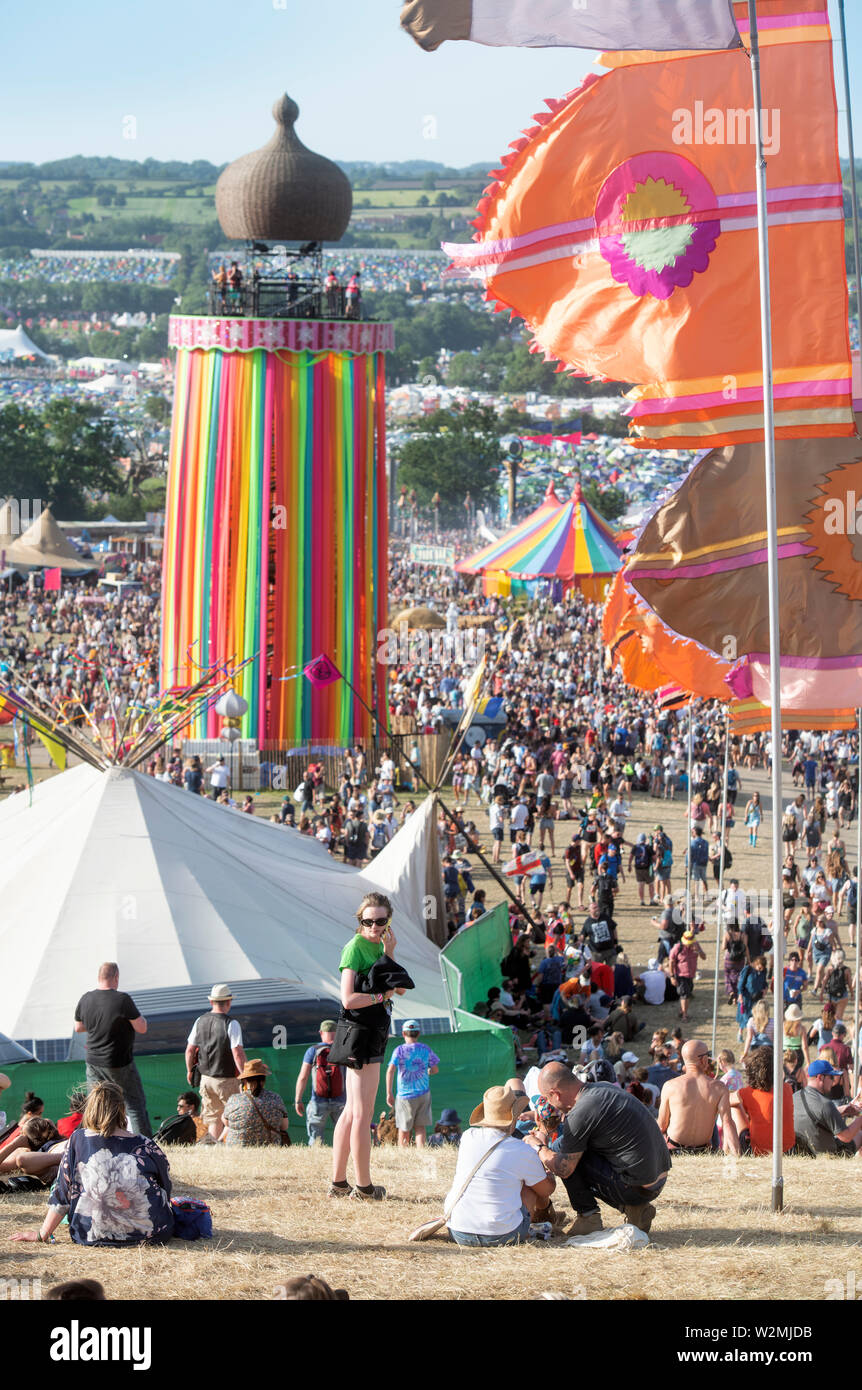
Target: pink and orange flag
<point x="622" y="227"/>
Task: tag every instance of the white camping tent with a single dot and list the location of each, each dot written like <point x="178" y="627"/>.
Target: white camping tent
<point x="118" y="866"/>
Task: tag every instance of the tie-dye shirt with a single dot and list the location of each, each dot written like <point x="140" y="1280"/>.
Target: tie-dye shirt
<point x="412" y="1061"/>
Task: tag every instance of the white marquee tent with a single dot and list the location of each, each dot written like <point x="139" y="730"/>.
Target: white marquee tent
<point x="118" y="866"/>
<point x="15" y="342"/>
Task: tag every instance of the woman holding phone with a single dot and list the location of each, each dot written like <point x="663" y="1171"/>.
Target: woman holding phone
<point x="369" y="1013"/>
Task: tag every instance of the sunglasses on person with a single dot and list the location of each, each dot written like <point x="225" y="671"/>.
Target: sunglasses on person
<point x="376" y="921"/>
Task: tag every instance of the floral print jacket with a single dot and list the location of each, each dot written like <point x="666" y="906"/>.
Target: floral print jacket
<point x="116" y="1191"/>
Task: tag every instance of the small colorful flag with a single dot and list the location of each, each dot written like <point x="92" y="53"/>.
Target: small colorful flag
<point x="522" y="864"/>
<point x="53" y="580"/>
<point x="322" y="671"/>
<point x="661" y="25"/>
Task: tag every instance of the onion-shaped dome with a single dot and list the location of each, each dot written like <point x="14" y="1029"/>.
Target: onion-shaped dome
<point x="284" y="192"/>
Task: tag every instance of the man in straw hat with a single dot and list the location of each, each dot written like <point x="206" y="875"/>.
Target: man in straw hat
<point x="499" y="1181"/>
<point x="215" y="1047"/>
<point x="609" y="1148"/>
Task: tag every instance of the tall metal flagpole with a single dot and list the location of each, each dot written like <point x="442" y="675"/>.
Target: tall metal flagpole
<point x="719" y="927"/>
<point x="858" y="897"/>
<point x="854" y="199"/>
<point x="689" y="915"/>
<point x="857" y="253"/>
<point x="774" y="624"/>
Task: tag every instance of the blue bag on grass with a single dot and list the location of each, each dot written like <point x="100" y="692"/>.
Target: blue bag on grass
<point x="192" y="1219"/>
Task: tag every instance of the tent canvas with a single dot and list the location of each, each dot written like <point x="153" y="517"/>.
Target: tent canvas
<point x="115" y="865"/>
<point x="567" y="541"/>
<point x="44" y="546"/>
<point x="15" y="342"/>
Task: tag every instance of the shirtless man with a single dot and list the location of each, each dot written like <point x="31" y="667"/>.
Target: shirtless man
<point x="691" y="1104"/>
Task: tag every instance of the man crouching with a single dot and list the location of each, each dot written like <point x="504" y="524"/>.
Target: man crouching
<point x="609" y="1148"/>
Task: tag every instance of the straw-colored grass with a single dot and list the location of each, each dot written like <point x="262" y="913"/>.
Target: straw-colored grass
<point x="714" y="1236"/>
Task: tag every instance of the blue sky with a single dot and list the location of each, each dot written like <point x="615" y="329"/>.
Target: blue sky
<point x="199" y="79"/>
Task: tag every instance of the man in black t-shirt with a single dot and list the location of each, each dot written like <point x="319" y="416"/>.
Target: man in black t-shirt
<point x="609" y="1147"/>
<point x="111" y="1020"/>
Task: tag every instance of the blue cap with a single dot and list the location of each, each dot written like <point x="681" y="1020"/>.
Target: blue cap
<point x="449" y="1117"/>
<point x="822" y="1068"/>
<point x="411" y="1026"/>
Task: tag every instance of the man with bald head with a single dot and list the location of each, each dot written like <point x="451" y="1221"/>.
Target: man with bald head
<point x="692" y="1103"/>
<point x="609" y="1148"/>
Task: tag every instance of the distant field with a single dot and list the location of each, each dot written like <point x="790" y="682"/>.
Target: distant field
<point x="186" y="211"/>
<point x="383" y="197"/>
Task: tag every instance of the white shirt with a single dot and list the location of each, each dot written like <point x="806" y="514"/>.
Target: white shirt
<point x="496" y="816"/>
<point x="519" y="817"/>
<point x="654" y="986"/>
<point x="234" y="1034"/>
<point x="491" y="1206"/>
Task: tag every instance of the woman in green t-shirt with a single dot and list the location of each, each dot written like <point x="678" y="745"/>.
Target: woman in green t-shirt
<point x="352" y="1136"/>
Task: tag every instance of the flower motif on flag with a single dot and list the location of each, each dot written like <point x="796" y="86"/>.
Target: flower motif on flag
<point x="834" y="525"/>
<point x="657" y="223"/>
<point x="306" y="335"/>
<point x="341" y="337"/>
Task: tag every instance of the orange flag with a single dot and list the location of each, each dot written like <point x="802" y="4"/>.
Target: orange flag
<point x="622" y="227"/>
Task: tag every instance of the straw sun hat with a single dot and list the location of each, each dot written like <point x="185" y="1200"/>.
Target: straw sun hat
<point x="499" y="1108"/>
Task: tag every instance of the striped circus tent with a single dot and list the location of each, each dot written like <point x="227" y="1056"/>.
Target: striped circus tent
<point x="566" y="541"/>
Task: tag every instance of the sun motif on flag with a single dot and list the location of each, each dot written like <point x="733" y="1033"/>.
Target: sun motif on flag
<point x="657" y="223"/>
<point x="835" y="528"/>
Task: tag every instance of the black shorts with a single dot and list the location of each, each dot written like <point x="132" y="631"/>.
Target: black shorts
<point x="685" y="986"/>
<point x="497" y="832"/>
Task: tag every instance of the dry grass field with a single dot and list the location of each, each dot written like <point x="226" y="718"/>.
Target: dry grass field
<point x="714" y="1236"/>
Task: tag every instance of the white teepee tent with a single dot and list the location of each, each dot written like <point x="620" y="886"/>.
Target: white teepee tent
<point x="115" y="865"/>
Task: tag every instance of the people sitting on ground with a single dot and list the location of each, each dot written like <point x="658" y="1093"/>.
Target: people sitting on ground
<point x="32" y="1107"/>
<point x="624" y="1020"/>
<point x="495" y="1203"/>
<point x="752" y="1107"/>
<point x="33" y="1162"/>
<point x="182" y="1128"/>
<point x="254" y="1117"/>
<point x="821" y="1126"/>
<point x="447" y="1130"/>
<point x="113" y="1186"/>
<point x="609" y="1149"/>
<point x="67" y="1124"/>
<point x="693" y="1105"/>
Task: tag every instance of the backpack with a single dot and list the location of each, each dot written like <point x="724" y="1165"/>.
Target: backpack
<point x="328" y="1081"/>
<point x="835" y="983"/>
<point x="177" y="1129"/>
<point x="642" y="856"/>
<point x="736" y="951"/>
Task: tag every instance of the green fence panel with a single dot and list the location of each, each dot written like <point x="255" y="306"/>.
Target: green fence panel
<point x="471" y="1060"/>
<point x="477" y="953"/>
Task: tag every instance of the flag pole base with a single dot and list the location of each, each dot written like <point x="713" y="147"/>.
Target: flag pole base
<point x="778" y="1195"/>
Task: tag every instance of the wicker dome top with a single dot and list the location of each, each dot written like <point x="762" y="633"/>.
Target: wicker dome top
<point x="284" y="192"/>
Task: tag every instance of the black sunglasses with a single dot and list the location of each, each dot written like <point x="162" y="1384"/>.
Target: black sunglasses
<point x="375" y="921"/>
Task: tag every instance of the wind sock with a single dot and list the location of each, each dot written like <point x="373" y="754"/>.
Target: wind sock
<point x="623" y="229"/>
<point x="321" y="671"/>
<point x="622" y="24"/>
<point x="700" y="566"/>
